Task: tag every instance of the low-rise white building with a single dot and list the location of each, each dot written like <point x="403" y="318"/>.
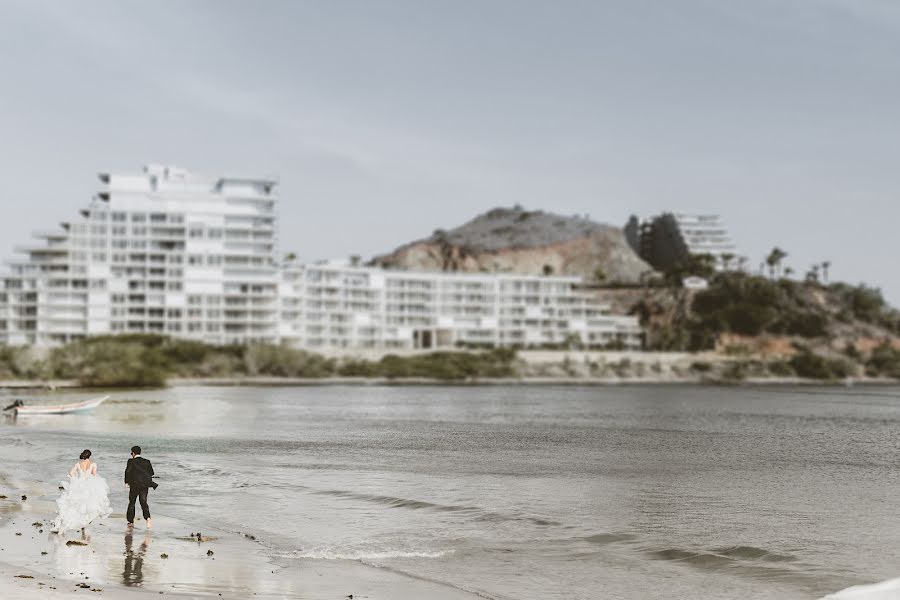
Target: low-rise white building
<point x="351" y="306"/>
<point x="172" y="252"/>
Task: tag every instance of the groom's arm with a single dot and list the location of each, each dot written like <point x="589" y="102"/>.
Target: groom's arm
<point x="150" y="466"/>
<point x="127" y="470"/>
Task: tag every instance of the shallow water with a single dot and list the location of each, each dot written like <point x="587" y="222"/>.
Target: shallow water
<point x="519" y="492"/>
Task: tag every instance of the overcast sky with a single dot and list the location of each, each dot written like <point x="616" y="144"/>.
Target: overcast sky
<point x="386" y="120"/>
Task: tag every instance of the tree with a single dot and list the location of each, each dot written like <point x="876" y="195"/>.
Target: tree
<point x="726" y="258"/>
<point x="548" y="270"/>
<point x="290" y="257"/>
<point x="812" y="276"/>
<point x="742" y="263"/>
<point x="599" y="274"/>
<point x="788" y="271"/>
<point x="825" y="266"/>
<point x="773" y="260"/>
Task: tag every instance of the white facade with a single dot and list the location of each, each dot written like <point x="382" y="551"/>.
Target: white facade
<point x="164" y="251"/>
<point x="705" y="234"/>
<point x="347" y="306"/>
<point x="172" y="252"/>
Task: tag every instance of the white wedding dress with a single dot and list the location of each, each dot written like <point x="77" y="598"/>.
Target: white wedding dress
<point x="85" y="498"/>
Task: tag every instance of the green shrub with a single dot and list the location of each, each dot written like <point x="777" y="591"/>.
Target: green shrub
<point x="884" y="361"/>
<point x="358" y="368"/>
<point x="282" y="361"/>
<point x="812" y="366"/>
<point x="780" y="368"/>
<point x="108" y="362"/>
<point x="735" y="371"/>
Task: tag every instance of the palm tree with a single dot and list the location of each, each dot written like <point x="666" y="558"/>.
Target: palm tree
<point x="742" y="262"/>
<point x="813" y="274"/>
<point x="774" y="260"/>
<point x="788" y="271"/>
<point x="825" y="266"/>
<point x="726" y="258"/>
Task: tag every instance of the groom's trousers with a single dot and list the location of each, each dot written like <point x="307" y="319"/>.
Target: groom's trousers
<point x="136" y="493"/>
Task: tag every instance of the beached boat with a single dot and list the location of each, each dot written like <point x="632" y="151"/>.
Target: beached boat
<point x="59" y="409"/>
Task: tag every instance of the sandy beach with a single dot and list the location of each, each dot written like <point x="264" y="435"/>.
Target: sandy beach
<point x="112" y="562"/>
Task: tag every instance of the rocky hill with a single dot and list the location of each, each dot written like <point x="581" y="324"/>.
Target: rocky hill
<point x="529" y="242"/>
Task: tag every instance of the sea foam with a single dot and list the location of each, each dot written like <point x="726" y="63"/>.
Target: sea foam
<point x="886" y="590"/>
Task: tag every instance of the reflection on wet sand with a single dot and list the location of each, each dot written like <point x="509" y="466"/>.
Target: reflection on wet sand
<point x="134" y="560"/>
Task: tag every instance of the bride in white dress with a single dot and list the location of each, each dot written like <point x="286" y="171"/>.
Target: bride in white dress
<point x="85" y="497"/>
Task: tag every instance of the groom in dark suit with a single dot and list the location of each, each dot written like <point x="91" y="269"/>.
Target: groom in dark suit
<point x="139" y="479"/>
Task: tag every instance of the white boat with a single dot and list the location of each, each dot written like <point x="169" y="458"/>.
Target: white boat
<point x="60" y="409"/>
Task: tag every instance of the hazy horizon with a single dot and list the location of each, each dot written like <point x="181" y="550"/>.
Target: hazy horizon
<point x="385" y="122"/>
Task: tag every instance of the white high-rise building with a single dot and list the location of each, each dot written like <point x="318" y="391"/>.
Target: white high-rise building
<point x="171" y="252"/>
<point x="164" y="251"/>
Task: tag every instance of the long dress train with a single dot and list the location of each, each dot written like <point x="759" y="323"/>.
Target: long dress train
<point x="85" y="498"/>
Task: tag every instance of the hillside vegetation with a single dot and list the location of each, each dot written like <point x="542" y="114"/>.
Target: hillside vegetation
<point x="807" y="329"/>
<point x="149" y="360"/>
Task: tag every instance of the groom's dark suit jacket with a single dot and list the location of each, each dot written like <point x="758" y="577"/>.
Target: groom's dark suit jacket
<point x="139" y="473"/>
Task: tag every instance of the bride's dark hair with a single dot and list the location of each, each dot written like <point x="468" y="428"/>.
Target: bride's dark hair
<point x="85" y="454"/>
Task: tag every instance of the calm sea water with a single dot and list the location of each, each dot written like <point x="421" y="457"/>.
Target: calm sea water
<point x="516" y="492"/>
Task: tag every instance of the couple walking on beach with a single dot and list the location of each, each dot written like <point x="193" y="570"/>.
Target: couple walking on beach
<point x="85" y="495"/>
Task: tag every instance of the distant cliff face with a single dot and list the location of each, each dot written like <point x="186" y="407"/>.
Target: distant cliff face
<point x="527" y="242"/>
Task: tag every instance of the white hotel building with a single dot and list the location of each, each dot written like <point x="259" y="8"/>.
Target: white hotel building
<point x="171" y="252"/>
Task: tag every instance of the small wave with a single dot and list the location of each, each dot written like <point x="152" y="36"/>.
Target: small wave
<point x="717" y="557"/>
<point x="365" y="555"/>
<point x="751" y="552"/>
<point x="395" y="502"/>
<point x="608" y="538"/>
<point x="482" y="514"/>
<point x="886" y="590"/>
<point x="696" y="559"/>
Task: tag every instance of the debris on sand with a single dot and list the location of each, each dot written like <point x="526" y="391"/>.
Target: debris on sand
<point x="83" y="585"/>
<point x="2" y="497"/>
<point x="43" y="553"/>
<point x="24" y="577"/>
<point x="164" y="555"/>
<point x="209" y="552"/>
<point x="250" y="537"/>
<point x="37" y="524"/>
<point x="75" y="543"/>
<point x="24" y="497"/>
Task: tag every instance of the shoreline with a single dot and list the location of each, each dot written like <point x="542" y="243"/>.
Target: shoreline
<point x="474" y="382"/>
<point x="37" y="564"/>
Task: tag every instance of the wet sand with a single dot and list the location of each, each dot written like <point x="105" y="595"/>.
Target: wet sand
<point x="112" y="562"/>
